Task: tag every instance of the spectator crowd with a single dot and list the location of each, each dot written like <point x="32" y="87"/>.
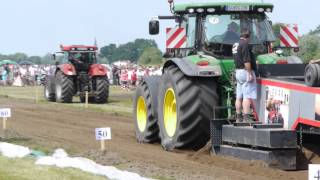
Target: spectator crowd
<point x="127" y="76"/>
<point x="23" y="75"/>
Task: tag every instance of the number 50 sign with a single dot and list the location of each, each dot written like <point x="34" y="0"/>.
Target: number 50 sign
<point x="5" y="112"/>
<point x="103" y="134"/>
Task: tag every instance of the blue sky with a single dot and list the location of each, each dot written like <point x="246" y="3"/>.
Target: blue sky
<point x="40" y="26"/>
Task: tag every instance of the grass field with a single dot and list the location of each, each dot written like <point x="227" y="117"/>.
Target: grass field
<point x="120" y="101"/>
<point x="25" y="169"/>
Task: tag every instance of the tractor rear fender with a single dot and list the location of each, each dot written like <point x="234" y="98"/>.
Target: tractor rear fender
<point x="67" y="69"/>
<point x="190" y="69"/>
<point x="97" y="70"/>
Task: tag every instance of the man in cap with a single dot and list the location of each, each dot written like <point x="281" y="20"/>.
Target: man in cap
<point x="245" y="75"/>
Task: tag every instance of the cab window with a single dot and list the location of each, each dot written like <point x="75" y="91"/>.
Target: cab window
<point x="191" y="31"/>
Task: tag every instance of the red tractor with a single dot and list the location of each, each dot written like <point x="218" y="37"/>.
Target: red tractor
<point x="77" y="74"/>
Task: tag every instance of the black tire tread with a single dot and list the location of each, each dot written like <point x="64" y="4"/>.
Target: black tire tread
<point x="67" y="87"/>
<point x="49" y="85"/>
<point x="312" y="77"/>
<point x="196" y="98"/>
<point x="151" y="133"/>
<point x="102" y="90"/>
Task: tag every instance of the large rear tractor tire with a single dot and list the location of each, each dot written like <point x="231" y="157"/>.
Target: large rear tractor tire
<point x="185" y="109"/>
<point x="312" y="75"/>
<point x="102" y="90"/>
<point x="145" y="110"/>
<point x="49" y="89"/>
<point x="64" y="88"/>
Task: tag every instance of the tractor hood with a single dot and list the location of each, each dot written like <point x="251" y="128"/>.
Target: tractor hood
<point x="197" y="66"/>
<point x="202" y="59"/>
<point x="273" y="58"/>
<point x="274" y="65"/>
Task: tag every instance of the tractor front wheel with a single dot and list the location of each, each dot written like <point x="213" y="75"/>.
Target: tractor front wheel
<point x="64" y="88"/>
<point x="185" y="109"/>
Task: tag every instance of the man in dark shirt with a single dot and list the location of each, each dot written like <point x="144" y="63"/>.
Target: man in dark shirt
<point x="7" y="72"/>
<point x="80" y="61"/>
<point x="245" y="76"/>
<point x="115" y="75"/>
<point x="231" y="35"/>
<point x="7" y="68"/>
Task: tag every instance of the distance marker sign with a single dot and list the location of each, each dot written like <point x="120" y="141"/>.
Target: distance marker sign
<point x="314" y="172"/>
<point x="5" y="112"/>
<point x="103" y="134"/>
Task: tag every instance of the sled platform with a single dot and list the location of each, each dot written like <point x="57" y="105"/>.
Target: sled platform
<point x="259" y="137"/>
<point x="284" y="159"/>
<point x="270" y="144"/>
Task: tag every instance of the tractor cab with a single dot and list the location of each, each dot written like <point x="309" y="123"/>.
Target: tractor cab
<point x="222" y="31"/>
<point x="215" y="27"/>
<point x="79" y="56"/>
<point x="212" y="30"/>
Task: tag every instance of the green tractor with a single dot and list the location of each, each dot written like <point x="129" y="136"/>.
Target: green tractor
<point x="198" y="75"/>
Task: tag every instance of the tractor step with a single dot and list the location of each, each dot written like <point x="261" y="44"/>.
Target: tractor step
<point x="284" y="159"/>
<point x="243" y="124"/>
<point x="267" y="126"/>
<point x="216" y="133"/>
<point x="265" y="138"/>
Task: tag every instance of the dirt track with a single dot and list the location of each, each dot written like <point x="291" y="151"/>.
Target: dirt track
<point x="72" y="128"/>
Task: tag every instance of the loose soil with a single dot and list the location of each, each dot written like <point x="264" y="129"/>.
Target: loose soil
<point x="53" y="125"/>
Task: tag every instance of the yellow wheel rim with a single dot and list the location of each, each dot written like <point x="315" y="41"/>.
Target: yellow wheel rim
<point x="170" y="112"/>
<point x="141" y="114"/>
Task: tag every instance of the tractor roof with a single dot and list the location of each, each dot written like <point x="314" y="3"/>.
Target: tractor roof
<point x="78" y="48"/>
<point x="220" y="5"/>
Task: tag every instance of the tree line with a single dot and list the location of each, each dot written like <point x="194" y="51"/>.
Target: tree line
<point x="309" y="43"/>
<point x="146" y="51"/>
<point x="141" y="51"/>
<point x="22" y="57"/>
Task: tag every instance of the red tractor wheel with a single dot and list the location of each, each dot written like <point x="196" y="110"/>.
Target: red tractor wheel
<point x="102" y="90"/>
<point x="64" y="88"/>
<point x="49" y="89"/>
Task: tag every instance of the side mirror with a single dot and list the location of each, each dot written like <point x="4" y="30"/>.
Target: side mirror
<point x="154" y="27"/>
<point x="54" y="56"/>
